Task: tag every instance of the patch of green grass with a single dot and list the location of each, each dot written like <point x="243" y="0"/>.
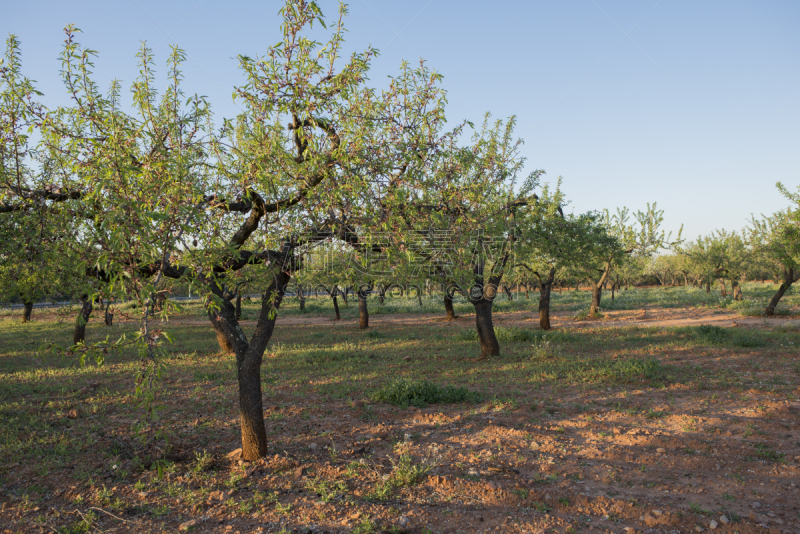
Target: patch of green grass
<point x="404" y="392"/>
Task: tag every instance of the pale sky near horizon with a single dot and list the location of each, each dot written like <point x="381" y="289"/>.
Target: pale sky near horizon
<point x="694" y="105"/>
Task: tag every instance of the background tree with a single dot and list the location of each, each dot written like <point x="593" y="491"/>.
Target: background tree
<point x="777" y="239"/>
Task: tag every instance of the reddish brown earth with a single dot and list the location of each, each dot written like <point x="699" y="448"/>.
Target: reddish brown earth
<point x="568" y="459"/>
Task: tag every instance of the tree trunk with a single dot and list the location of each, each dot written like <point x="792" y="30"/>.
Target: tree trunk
<point x="597" y="294"/>
<point x="788" y="280"/>
<point x="363" y="311"/>
<point x="723" y="290"/>
<point x="336" y="307"/>
<point x="508" y="292"/>
<point x="248" y="361"/>
<point x="448" y="307"/>
<point x="544" y="300"/>
<point x="108" y="317"/>
<point x="381" y="294"/>
<point x="708" y="286"/>
<point x="26" y="313"/>
<point x="527" y="297"/>
<point x="238" y="310"/>
<point x="302" y="297"/>
<point x="736" y="289"/>
<point x="613" y="287"/>
<point x="483" y="322"/>
<point x="79" y="336"/>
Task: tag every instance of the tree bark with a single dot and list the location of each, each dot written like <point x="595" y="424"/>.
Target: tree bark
<point x="544" y="299"/>
<point x="302" y="297"/>
<point x="336" y="307"/>
<point x="708" y="286"/>
<point x="483" y="322"/>
<point x="238" y="310"/>
<point x="723" y="290"/>
<point x="249" y="356"/>
<point x="79" y="335"/>
<point x="26" y="313"/>
<point x="788" y="280"/>
<point x="613" y="287"/>
<point x="448" y="307"/>
<point x="597" y="291"/>
<point x="363" y="310"/>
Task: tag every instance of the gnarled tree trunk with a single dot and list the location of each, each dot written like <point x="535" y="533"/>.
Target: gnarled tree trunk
<point x="79" y="335"/>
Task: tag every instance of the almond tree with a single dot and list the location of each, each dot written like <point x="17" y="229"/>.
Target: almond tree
<point x="639" y="238"/>
<point x="777" y="238"/>
<point x="553" y="241"/>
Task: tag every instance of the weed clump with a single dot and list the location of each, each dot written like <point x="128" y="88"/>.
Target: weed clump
<point x="404" y="392"/>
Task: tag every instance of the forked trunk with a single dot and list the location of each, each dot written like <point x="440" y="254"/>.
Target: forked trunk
<point x="26" y="312"/>
<point x="544" y="300"/>
<point x="79" y="336"/>
<point x="248" y="361"/>
<point x="483" y="322"/>
<point x="448" y="307"/>
<point x="508" y="292"/>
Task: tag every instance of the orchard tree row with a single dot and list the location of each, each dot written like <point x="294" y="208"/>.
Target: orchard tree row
<point x="322" y="178"/>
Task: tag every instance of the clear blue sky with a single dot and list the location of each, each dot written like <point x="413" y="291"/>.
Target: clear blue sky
<point x="691" y="104"/>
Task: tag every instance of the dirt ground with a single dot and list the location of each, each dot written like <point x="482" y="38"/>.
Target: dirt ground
<point x="680" y="458"/>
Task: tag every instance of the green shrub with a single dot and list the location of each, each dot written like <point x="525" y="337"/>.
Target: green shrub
<point x="404" y="392"/>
